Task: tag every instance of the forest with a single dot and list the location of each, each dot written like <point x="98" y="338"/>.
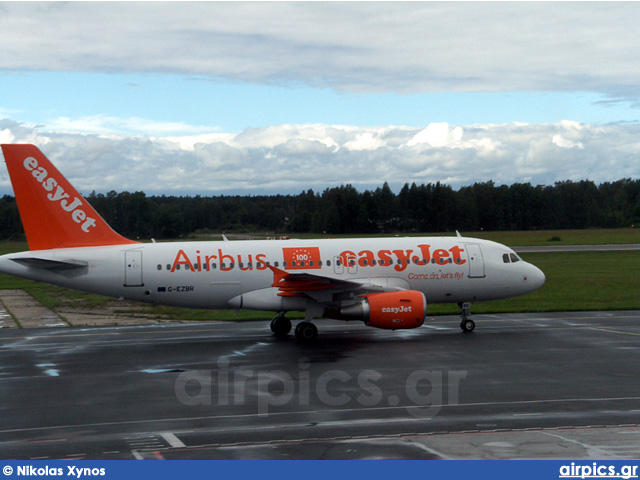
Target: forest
<point x="344" y="210"/>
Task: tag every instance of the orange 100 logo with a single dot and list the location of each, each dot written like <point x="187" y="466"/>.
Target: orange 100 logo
<point x="302" y="258"/>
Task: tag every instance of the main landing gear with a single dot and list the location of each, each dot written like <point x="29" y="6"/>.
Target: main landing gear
<point x="305" y="331"/>
<point x="281" y="326"/>
<point x="467" y="325"/>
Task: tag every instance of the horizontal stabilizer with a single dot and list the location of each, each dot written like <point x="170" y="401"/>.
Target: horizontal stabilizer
<point x="66" y="268"/>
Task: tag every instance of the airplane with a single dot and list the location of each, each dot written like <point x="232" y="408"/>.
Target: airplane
<point x="384" y="282"/>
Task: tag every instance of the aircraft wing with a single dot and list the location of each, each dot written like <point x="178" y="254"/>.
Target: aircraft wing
<point x="328" y="289"/>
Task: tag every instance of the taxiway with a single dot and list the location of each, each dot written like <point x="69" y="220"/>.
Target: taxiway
<point x="543" y="385"/>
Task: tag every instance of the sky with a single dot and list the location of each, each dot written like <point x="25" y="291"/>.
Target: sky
<point x="259" y="97"/>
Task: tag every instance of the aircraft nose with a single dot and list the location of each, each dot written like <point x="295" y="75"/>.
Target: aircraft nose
<point x="535" y="277"/>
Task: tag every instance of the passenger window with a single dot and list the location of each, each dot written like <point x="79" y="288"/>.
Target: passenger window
<point x="168" y="267"/>
<point x="159" y="267"/>
<point x="328" y="263"/>
<point x="505" y="258"/>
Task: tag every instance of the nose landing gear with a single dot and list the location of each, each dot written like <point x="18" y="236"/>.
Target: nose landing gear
<point x="467" y="325"/>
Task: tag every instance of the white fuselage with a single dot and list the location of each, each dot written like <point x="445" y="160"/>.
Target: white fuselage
<point x="234" y="274"/>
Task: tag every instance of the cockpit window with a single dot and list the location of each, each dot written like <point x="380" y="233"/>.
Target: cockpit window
<point x="514" y="258"/>
<point x="505" y="258"/>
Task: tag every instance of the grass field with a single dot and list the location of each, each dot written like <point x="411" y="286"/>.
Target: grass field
<point x="532" y="237"/>
<point x="575" y="281"/>
<point x="562" y="237"/>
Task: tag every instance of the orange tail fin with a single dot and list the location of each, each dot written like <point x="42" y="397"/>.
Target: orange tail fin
<point x="54" y="214"/>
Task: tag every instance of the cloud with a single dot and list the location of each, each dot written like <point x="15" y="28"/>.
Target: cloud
<point x="104" y="124"/>
<point x="560" y="141"/>
<point x="292" y="158"/>
<point x="437" y="135"/>
<point x="6" y="136"/>
<point x="405" y="47"/>
<point x="365" y="141"/>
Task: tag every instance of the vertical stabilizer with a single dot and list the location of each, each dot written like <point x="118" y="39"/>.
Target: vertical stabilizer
<point x="53" y="213"/>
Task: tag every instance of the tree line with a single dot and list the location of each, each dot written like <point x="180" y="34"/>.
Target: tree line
<point x="345" y="210"/>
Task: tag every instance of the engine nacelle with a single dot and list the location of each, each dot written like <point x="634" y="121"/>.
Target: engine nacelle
<point x="389" y="310"/>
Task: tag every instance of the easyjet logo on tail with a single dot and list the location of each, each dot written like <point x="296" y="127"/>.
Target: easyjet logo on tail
<point x="58" y="195"/>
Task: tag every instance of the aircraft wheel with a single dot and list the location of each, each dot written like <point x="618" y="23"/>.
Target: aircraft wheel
<point x="467" y="325"/>
<point x="281" y="326"/>
<point x="306" y="332"/>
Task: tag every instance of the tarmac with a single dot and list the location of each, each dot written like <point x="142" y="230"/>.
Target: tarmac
<point x="545" y="386"/>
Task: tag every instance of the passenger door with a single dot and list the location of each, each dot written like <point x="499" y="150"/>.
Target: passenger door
<point x="476" y="261"/>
